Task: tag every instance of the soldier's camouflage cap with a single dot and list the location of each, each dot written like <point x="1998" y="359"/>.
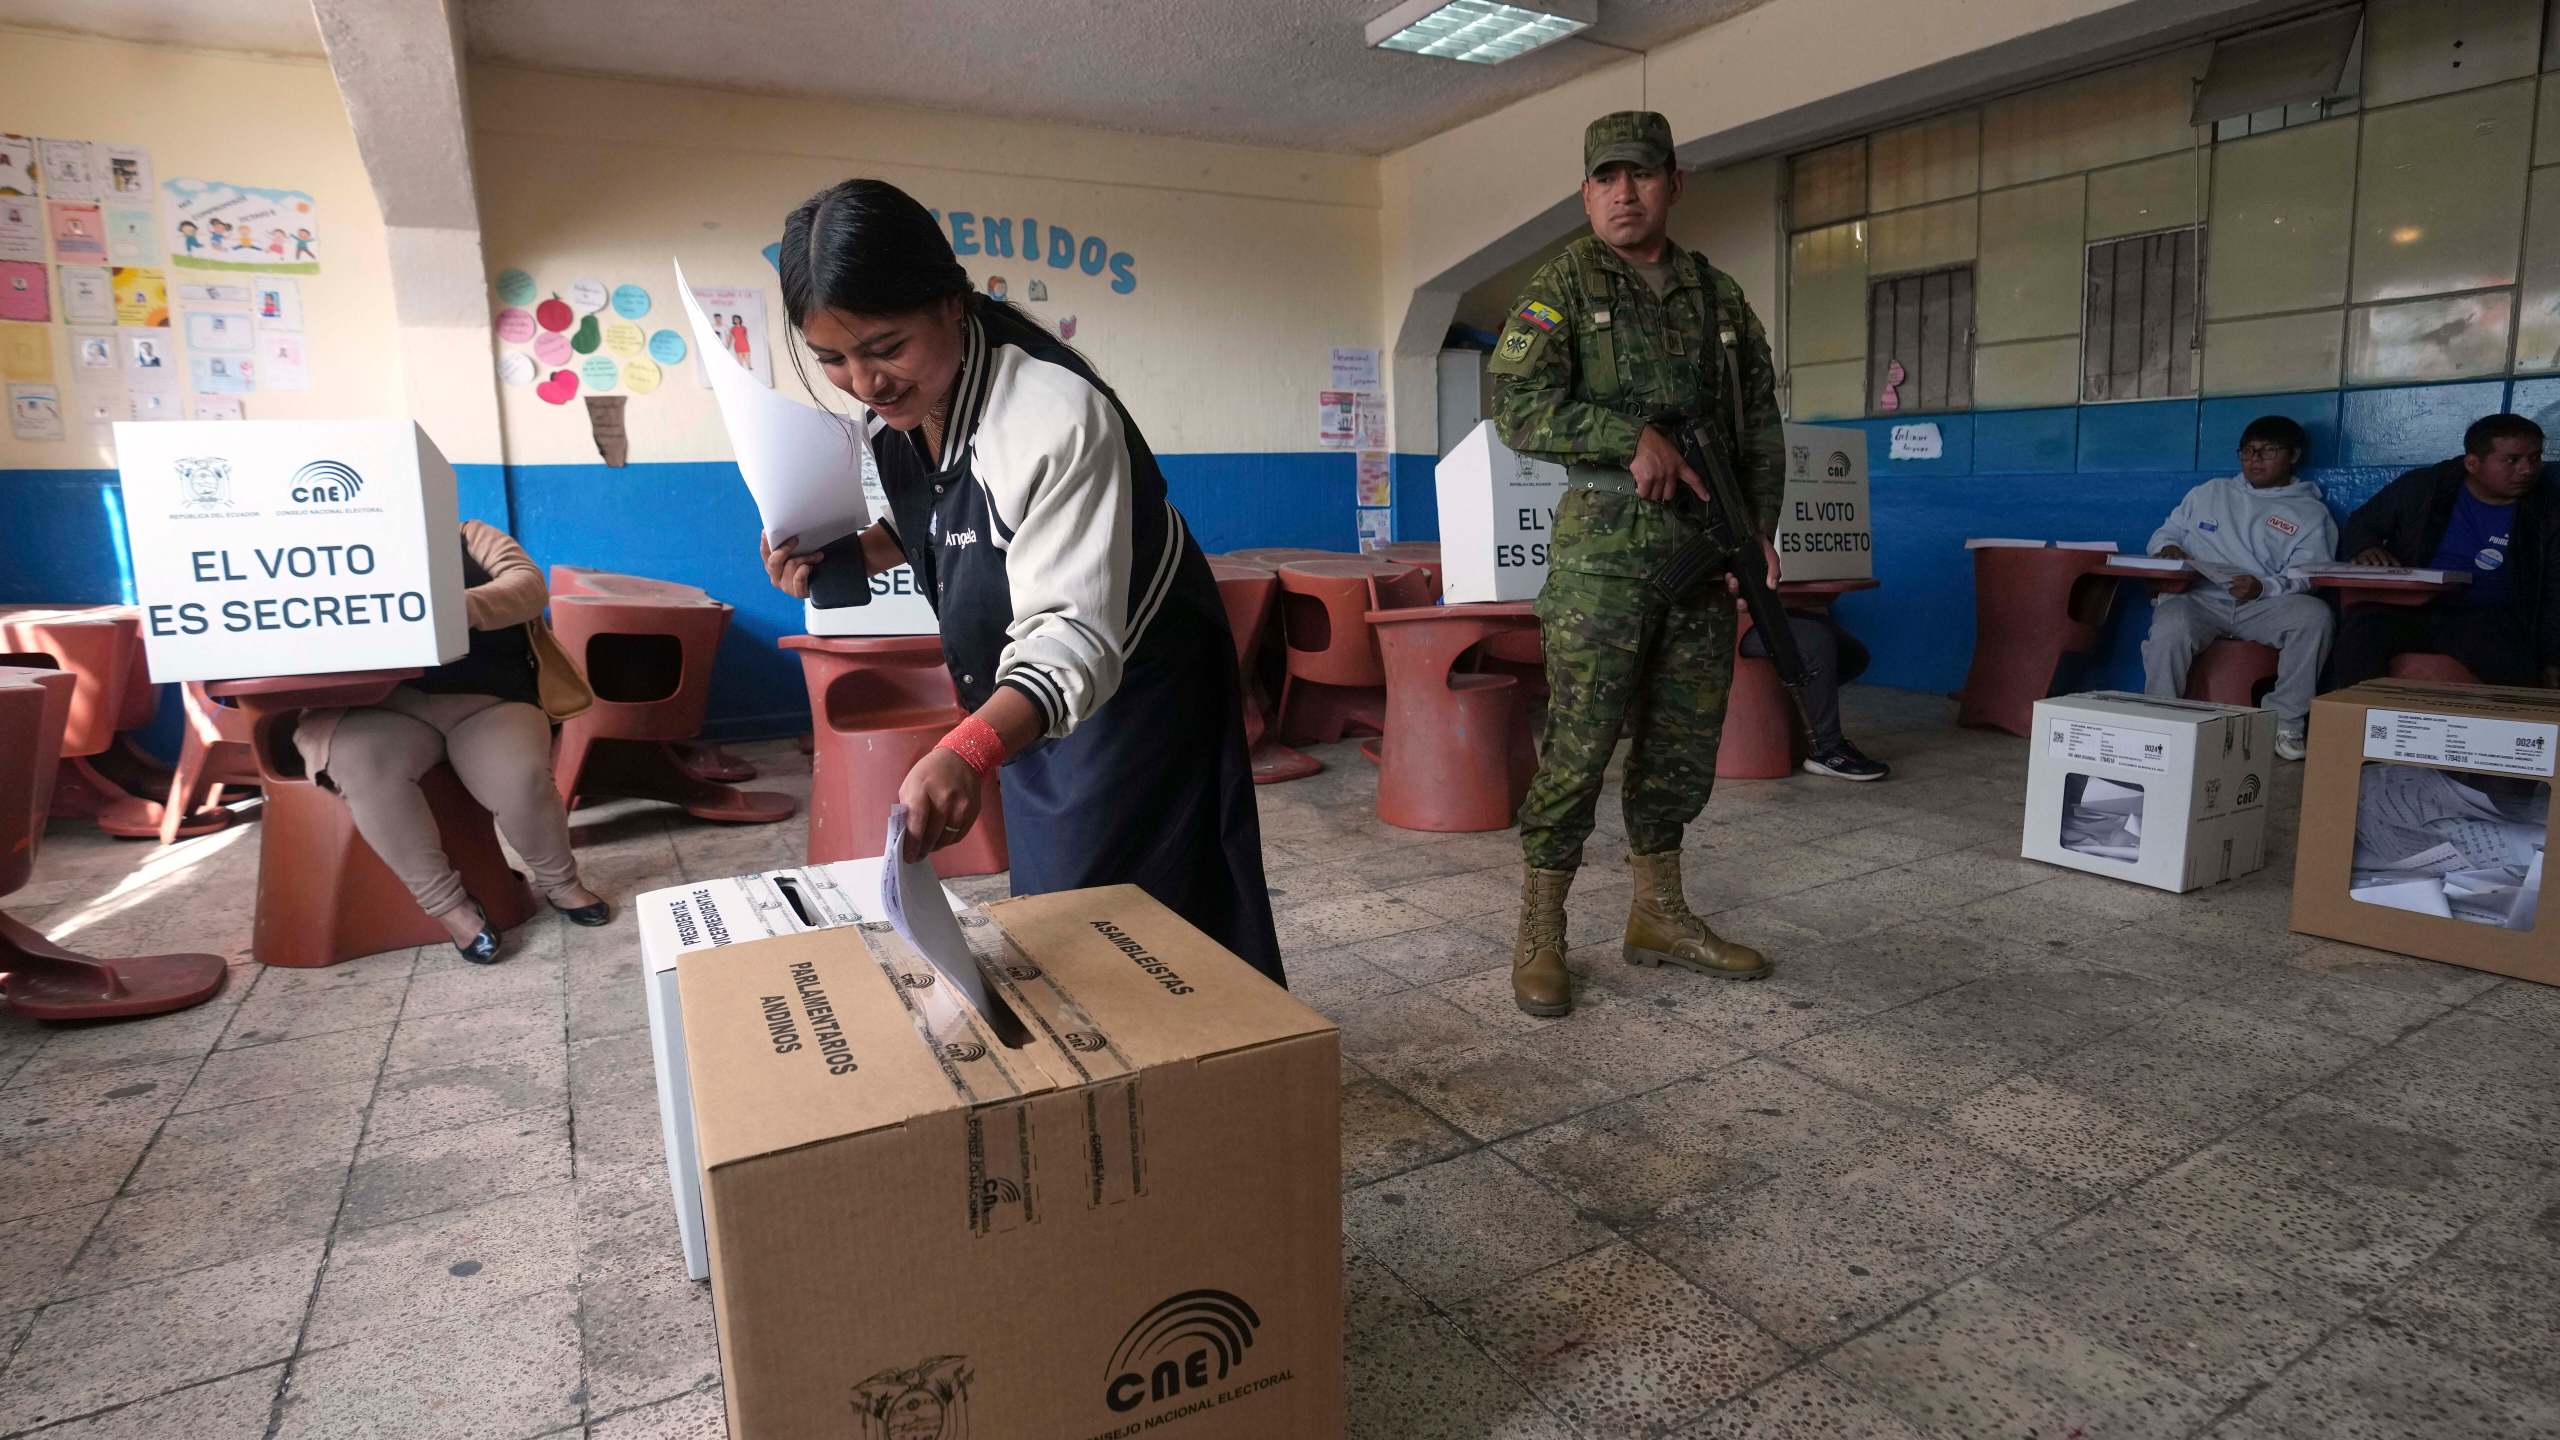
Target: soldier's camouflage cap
<point x="1629" y="137"/>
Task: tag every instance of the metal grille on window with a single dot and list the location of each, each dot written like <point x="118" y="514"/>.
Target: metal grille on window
<point x="2138" y="337"/>
<point x="1920" y="342"/>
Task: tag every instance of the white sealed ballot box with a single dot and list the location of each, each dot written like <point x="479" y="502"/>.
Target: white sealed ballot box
<point x="1497" y="515"/>
<point x="291" y="547"/>
<point x="1824" y="529"/>
<point x="2166" y="793"/>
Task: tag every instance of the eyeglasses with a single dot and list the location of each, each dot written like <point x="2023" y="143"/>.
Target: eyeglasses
<point x="2265" y="452"/>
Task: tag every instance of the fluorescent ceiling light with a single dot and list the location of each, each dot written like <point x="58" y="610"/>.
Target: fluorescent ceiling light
<point x="1482" y="32"/>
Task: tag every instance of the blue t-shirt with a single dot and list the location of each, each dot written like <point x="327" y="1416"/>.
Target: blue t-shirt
<point x="2476" y="540"/>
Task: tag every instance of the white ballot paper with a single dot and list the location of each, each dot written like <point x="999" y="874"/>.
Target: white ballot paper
<point x="912" y="894"/>
<point x="2105" y="820"/>
<point x="802" y="464"/>
<point x="2429" y="842"/>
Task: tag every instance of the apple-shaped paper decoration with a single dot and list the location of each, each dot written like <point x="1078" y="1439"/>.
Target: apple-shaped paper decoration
<point x="560" y="389"/>
<point x="590" y="336"/>
<point x="553" y="314"/>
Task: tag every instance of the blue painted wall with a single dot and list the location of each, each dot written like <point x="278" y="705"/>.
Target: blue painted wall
<point x="61" y="540"/>
<point x="2111" y="472"/>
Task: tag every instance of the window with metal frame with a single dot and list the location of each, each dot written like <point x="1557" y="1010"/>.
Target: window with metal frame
<point x="1920" y="342"/>
<point x="2138" y="334"/>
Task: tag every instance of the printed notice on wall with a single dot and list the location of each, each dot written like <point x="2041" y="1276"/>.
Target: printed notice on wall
<point x="2124" y="747"/>
<point x="1917" y="442"/>
<point x="1335" y="418"/>
<point x="2468" y="742"/>
<point x="1374" y="479"/>
<point x="1369" y="421"/>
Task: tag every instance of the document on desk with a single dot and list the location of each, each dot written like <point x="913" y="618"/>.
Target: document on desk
<point x="912" y="894"/>
<point x="803" y="465"/>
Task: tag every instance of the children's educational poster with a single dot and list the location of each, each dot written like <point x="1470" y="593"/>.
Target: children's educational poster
<point x="35" y="412"/>
<point x="218" y="226"/>
<point x="93" y="352"/>
<point x="70" y="169"/>
<point x="133" y="237"/>
<point x="88" y="295"/>
<point x="148" y="353"/>
<point x="737" y="320"/>
<point x="79" y="231"/>
<point x="282" y="365"/>
<point x="17" y="165"/>
<point x="142" y="296"/>
<point x="26" y="351"/>
<point x="21" y="229"/>
<point x="25" y="293"/>
<point x="128" y="173"/>
<point x="222" y="374"/>
<point x="278" y="303"/>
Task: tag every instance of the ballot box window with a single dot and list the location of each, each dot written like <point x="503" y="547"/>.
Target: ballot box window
<point x="2102" y="818"/>
<point x="2451" y="843"/>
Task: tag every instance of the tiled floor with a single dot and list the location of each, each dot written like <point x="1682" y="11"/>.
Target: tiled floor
<point x="1998" y="1151"/>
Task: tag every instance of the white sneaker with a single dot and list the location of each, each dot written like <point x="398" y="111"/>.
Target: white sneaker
<point x="2289" y="745"/>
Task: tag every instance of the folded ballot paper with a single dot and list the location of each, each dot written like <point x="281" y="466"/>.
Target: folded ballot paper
<point x="803" y="465"/>
<point x="2104" y="819"/>
<point x="2428" y="842"/>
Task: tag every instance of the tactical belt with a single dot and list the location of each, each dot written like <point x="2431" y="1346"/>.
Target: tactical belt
<point x="1615" y="479"/>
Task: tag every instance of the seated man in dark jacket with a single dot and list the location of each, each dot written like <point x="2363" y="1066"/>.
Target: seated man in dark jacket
<point x="2483" y="512"/>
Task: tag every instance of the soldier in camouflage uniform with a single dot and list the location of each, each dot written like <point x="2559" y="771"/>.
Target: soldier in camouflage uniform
<point x="1619" y="330"/>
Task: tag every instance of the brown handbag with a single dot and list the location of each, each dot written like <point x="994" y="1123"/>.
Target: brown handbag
<point x="556" y="680"/>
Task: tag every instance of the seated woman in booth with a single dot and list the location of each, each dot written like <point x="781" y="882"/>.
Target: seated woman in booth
<point x="487" y="714"/>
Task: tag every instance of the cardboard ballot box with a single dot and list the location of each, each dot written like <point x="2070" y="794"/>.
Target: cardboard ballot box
<point x="1497" y="513"/>
<point x="1130" y="1225"/>
<point x="707" y="915"/>
<point x="291" y="547"/>
<point x="2166" y="793"/>
<point x="1824" y="530"/>
<point x="2425" y="812"/>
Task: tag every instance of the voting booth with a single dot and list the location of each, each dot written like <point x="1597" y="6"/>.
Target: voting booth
<point x="2166" y="793"/>
<point x="1824" y="529"/>
<point x="1497" y="514"/>
<point x="2425" y="811"/>
<point x="291" y="547"/>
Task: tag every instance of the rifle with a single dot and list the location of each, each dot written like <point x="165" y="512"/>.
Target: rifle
<point x="1727" y="539"/>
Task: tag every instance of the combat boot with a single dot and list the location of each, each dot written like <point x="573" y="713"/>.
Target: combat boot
<point x="1660" y="927"/>
<point x="1539" y="981"/>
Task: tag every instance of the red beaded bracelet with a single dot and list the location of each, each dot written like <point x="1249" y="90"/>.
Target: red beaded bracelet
<point x="976" y="743"/>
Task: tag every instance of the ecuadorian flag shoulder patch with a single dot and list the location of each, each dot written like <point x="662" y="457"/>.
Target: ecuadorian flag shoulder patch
<point x="1542" y="315"/>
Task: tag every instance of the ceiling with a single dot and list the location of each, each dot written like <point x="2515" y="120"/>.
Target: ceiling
<point x="1290" y="73"/>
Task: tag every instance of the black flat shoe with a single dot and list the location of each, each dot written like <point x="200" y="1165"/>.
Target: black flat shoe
<point x="483" y="949"/>
<point x="600" y="913"/>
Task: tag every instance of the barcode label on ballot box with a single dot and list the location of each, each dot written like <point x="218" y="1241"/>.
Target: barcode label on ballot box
<point x="2125" y="747"/>
<point x="2469" y="742"/>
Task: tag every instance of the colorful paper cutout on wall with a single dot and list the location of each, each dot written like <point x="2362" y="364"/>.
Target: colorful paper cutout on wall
<point x="17" y="165"/>
<point x="599" y="373"/>
<point x="142" y="296"/>
<point x="515" y="287"/>
<point x="35" y="412"/>
<point x="604" y="422"/>
<point x="79" y="230"/>
<point x="218" y="226"/>
<point x="630" y="301"/>
<point x="516" y="368"/>
<point x="623" y="338"/>
<point x="560" y="389"/>
<point x="551" y="348"/>
<point x="640" y="375"/>
<point x="667" y="348"/>
<point x="1036" y="290"/>
<point x="587" y="295"/>
<point x="24" y="291"/>
<point x="21" y="229"/>
<point x="70" y="169"/>
<point x="588" y="337"/>
<point x="515" y="325"/>
<point x="554" y="315"/>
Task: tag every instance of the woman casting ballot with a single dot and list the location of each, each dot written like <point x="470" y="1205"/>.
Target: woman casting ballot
<point x="1080" y="622"/>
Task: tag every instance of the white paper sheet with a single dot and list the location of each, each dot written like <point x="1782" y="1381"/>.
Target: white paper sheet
<point x="912" y="894"/>
<point x="803" y="465"/>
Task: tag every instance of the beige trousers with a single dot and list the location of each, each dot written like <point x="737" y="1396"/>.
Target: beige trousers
<point x="502" y="751"/>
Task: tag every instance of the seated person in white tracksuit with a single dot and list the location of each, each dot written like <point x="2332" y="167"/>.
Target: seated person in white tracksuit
<point x="2250" y="534"/>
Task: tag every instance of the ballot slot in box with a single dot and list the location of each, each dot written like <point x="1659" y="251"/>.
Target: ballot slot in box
<point x="1127" y="1222"/>
<point x="2165" y="793"/>
<point x="1824" y="529"/>
<point x="1497" y="519"/>
<point x="2426" y="812"/>
<point x="710" y="915"/>
<point x="291" y="547"/>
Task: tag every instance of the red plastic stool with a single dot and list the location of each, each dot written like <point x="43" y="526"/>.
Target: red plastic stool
<point x="1276" y="556"/>
<point x="2030" y="609"/>
<point x="649" y="662"/>
<point x="1251" y="593"/>
<point x="1335" y="680"/>
<point x="702" y="762"/>
<point x="880" y="702"/>
<point x="2444" y="669"/>
<point x="323" y="894"/>
<point x="2232" y="672"/>
<point x="1762" y="739"/>
<point x="1422" y="555"/>
<point x="1449" y="761"/>
<point x="218" y="750"/>
<point x="38" y="978"/>
<point x="100" y="647"/>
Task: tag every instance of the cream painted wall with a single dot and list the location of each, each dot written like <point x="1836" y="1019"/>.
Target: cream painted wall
<point x="1250" y="263"/>
<point x="221" y="117"/>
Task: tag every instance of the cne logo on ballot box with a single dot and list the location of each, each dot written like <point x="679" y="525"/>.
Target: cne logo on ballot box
<point x="291" y="547"/>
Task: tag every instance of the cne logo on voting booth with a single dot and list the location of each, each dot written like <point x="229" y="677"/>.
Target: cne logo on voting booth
<point x="290" y="547"/>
